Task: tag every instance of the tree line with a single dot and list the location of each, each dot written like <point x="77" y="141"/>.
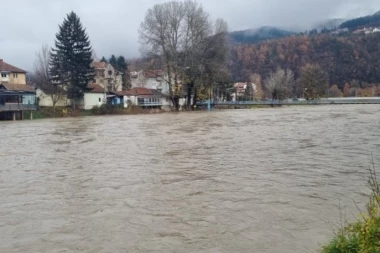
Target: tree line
<point x="350" y="59"/>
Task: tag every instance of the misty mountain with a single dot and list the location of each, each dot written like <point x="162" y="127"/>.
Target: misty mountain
<point x="329" y="24"/>
<point x="366" y="21"/>
<point x="258" y="35"/>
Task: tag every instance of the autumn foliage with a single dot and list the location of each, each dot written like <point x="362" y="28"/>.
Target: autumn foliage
<point x="346" y="59"/>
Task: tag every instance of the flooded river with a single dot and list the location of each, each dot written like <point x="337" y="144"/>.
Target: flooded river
<point x="264" y="180"/>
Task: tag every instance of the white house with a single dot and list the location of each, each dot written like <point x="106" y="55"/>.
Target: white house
<point x="94" y="96"/>
<point x="44" y="98"/>
<point x="143" y="97"/>
<point x="152" y="79"/>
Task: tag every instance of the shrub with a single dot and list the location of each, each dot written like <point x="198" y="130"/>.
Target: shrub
<point x="108" y="109"/>
<point x="362" y="236"/>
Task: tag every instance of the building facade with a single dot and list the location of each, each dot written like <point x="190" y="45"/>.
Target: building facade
<point x="107" y="76"/>
<point x="15" y="96"/>
<point x="152" y="79"/>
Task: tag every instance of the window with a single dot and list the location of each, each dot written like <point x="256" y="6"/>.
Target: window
<point x="110" y="72"/>
<point x="4" y="75"/>
<point x="100" y="100"/>
<point x="15" y="75"/>
<point x="140" y="101"/>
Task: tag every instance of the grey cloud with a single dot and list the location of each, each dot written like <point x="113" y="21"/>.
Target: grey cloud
<point x="112" y="25"/>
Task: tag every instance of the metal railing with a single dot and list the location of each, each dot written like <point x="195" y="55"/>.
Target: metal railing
<point x="297" y="102"/>
<point x="150" y="104"/>
<point x="17" y="107"/>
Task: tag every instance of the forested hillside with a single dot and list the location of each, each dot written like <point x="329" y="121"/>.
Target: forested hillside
<point x="367" y="21"/>
<point x="259" y="35"/>
<point x="353" y="59"/>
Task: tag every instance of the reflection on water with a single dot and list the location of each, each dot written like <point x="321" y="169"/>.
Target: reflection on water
<point x="266" y="180"/>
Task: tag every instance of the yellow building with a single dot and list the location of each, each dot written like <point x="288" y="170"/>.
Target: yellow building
<point x="15" y="95"/>
<point x="11" y="74"/>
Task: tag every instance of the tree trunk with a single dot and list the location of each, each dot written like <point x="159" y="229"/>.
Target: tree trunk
<point x="194" y="99"/>
<point x="189" y="91"/>
<point x="175" y="101"/>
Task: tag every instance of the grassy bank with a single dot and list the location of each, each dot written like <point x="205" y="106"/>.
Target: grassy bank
<point x="62" y="112"/>
<point x="362" y="236"/>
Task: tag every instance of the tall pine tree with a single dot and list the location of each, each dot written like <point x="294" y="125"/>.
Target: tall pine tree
<point x="71" y="58"/>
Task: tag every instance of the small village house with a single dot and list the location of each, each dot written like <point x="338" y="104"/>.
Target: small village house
<point x="143" y="97"/>
<point x="107" y="76"/>
<point x="15" y="96"/>
<point x="158" y="80"/>
<point x="151" y="79"/>
<point x="240" y="90"/>
<point x="95" y="95"/>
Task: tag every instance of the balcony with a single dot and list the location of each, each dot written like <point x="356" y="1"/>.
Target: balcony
<point x="7" y="107"/>
<point x="146" y="104"/>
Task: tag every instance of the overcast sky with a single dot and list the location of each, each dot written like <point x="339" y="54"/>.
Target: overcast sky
<point x="112" y="24"/>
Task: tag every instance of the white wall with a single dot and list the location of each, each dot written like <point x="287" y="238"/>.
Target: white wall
<point x="93" y="99"/>
<point x="132" y="99"/>
<point x="45" y="100"/>
<point x="157" y="84"/>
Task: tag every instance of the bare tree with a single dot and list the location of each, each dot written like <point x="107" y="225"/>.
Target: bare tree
<point x="279" y="84"/>
<point x="182" y="33"/>
<point x="42" y="76"/>
<point x="159" y="34"/>
<point x="205" y="49"/>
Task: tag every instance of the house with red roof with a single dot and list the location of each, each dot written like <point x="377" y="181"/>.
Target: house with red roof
<point x="107" y="76"/>
<point x="94" y="96"/>
<point x="15" y="95"/>
<point x="143" y="97"/>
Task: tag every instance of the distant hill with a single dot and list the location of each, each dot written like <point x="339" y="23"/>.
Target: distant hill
<point x="258" y="35"/>
<point x="329" y="24"/>
<point x="347" y="59"/>
<point x="366" y="21"/>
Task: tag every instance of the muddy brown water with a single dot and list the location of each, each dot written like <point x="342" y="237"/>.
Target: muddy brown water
<point x="264" y="180"/>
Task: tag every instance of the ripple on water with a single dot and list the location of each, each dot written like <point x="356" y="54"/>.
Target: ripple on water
<point x="266" y="180"/>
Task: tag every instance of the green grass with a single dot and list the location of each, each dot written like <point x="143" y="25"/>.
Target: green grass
<point x="362" y="236"/>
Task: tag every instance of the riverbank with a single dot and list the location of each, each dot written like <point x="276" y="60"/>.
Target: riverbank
<point x="63" y="112"/>
<point x="361" y="236"/>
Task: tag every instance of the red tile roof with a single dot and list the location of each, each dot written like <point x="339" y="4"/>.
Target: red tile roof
<point x="9" y="68"/>
<point x="17" y="87"/>
<point x="139" y="91"/>
<point x="95" y="88"/>
<point x="99" y="64"/>
<point x="154" y="73"/>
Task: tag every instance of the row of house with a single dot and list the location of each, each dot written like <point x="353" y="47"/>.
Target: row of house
<point x="368" y="30"/>
<point x="149" y="89"/>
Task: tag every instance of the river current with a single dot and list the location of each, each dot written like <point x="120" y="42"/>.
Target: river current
<point x="263" y="180"/>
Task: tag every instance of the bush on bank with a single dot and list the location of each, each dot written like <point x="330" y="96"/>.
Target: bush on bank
<point x="362" y="236"/>
<point x="119" y="110"/>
